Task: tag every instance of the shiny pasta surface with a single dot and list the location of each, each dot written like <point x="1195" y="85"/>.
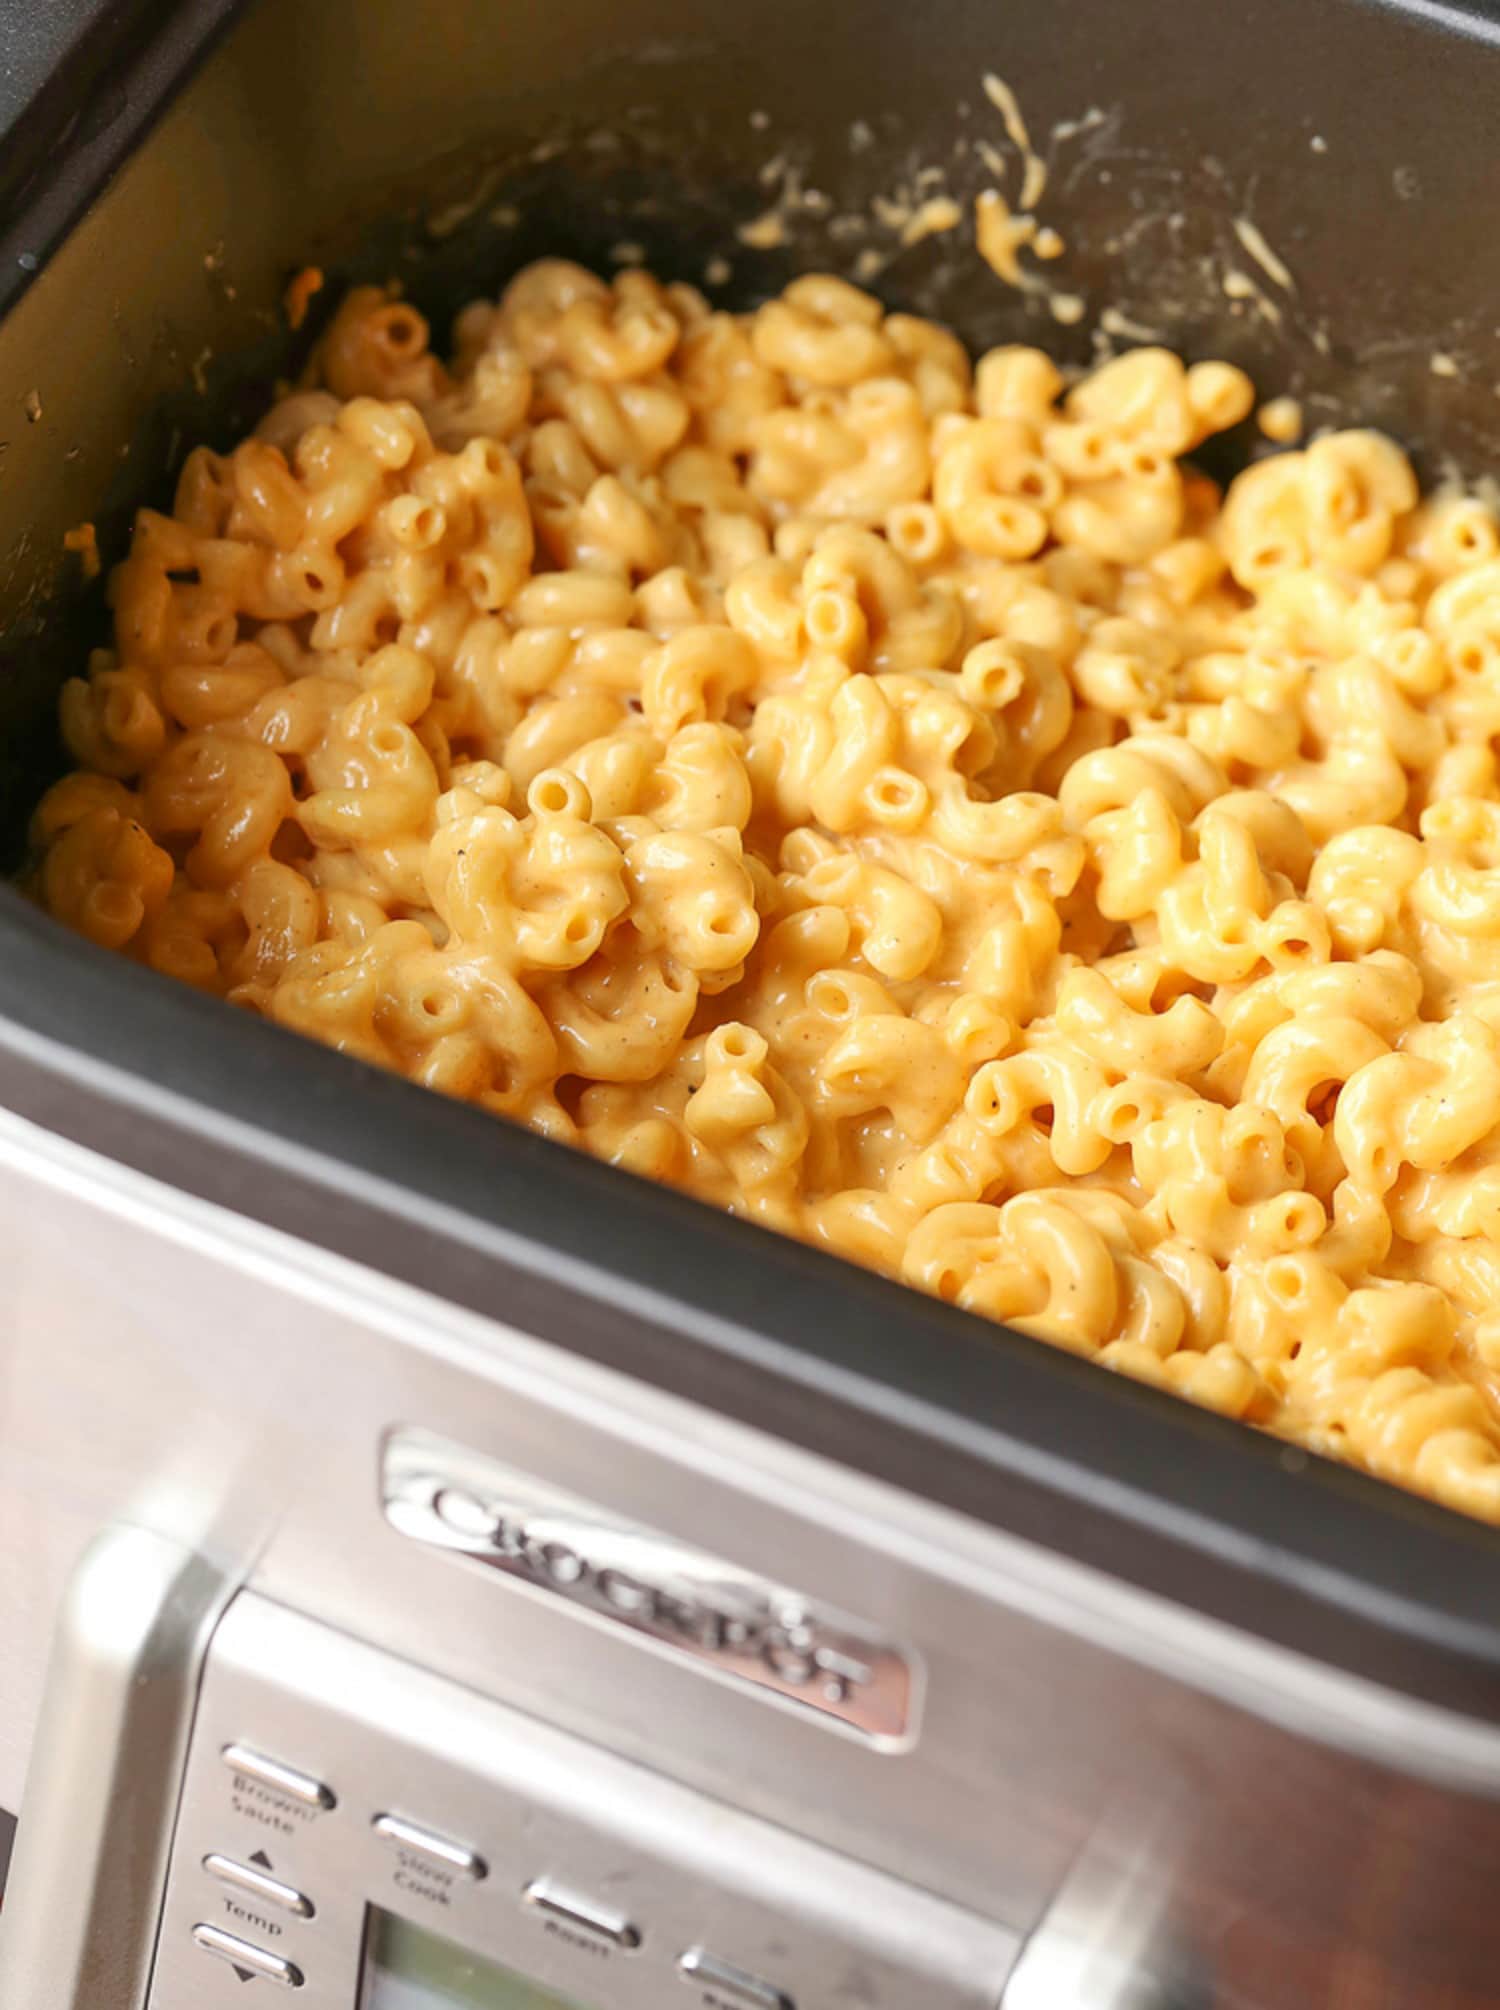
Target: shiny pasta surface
<point x="893" y="798"/>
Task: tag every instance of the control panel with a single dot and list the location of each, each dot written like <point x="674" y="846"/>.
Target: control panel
<point x="360" y="1834"/>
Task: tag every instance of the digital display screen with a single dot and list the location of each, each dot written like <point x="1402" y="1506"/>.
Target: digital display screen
<point x="408" y="1968"/>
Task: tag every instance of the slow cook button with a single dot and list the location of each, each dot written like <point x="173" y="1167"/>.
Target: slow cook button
<point x="437" y="1850"/>
<point x="247" y="1961"/>
<point x="568" y="1910"/>
<point x="722" y="1983"/>
<point x="284" y="1780"/>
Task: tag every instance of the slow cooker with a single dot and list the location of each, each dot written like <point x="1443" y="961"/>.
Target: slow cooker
<point x="439" y="1570"/>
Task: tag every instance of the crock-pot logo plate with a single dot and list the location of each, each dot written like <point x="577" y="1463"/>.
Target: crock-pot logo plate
<point x="711" y="1611"/>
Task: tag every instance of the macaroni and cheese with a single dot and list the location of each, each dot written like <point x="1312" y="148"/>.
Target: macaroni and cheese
<point x="899" y="801"/>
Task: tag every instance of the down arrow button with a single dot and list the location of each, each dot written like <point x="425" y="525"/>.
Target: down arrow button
<point x="250" y="1963"/>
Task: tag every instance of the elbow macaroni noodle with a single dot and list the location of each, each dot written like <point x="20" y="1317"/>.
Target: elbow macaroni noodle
<point x="902" y="803"/>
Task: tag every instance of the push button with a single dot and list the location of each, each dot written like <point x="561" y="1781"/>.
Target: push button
<point x="285" y="1780"/>
<point x="598" y="1920"/>
<point x="247" y="1961"/>
<point x="438" y="1850"/>
<point x="257" y="1883"/>
<point x="722" y="1983"/>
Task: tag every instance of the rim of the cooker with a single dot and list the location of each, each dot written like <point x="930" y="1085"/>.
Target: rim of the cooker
<point x="786" y="1338"/>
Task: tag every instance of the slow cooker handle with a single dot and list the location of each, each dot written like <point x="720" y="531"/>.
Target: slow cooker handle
<point x="87" y="1878"/>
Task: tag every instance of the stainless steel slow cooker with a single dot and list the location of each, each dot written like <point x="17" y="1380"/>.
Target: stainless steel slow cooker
<point x="438" y="1570"/>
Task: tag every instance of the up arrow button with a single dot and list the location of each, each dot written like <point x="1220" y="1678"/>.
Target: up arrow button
<point x="254" y="1879"/>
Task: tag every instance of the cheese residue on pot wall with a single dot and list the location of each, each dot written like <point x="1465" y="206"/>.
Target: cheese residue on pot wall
<point x="1001" y="233"/>
<point x="1033" y="167"/>
<point x="1253" y="239"/>
<point x="1281" y="421"/>
<point x="929" y="218"/>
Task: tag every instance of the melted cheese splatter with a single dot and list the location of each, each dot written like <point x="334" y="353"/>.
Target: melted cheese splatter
<point x="764" y="233"/>
<point x="1280" y="420"/>
<point x="1120" y="325"/>
<point x="1256" y="246"/>
<point x="931" y="218"/>
<point x="85" y="541"/>
<point x="1001" y="236"/>
<point x="1033" y="167"/>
